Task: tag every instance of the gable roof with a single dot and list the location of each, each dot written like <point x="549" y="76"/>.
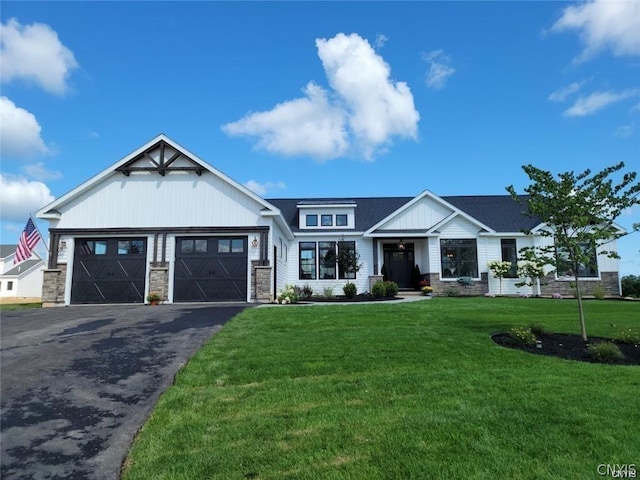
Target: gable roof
<point x="498" y="212"/>
<point x="179" y="158"/>
<point x="8" y="250"/>
<point x="23" y="267"/>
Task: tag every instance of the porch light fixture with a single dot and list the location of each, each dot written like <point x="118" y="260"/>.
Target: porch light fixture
<point x="62" y="246"/>
<point x="401" y="245"/>
<point x="254" y="242"/>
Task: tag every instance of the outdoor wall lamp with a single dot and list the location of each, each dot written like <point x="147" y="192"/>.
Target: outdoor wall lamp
<point x="401" y="245"/>
<point x="254" y="242"/>
<point x="62" y="246"/>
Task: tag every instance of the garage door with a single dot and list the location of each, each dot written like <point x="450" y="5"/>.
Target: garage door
<point x="110" y="270"/>
<point x="210" y="269"/>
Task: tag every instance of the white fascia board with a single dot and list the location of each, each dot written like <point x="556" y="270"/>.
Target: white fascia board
<point x="111" y="170"/>
<point x="326" y="205"/>
<point x="324" y="233"/>
<point x="503" y="234"/>
<point x="541" y="226"/>
<point x="277" y="214"/>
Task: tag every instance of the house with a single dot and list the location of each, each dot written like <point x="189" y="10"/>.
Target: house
<point x="21" y="280"/>
<point x="163" y="220"/>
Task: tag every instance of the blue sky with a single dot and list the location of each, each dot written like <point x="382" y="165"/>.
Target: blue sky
<point x="312" y="99"/>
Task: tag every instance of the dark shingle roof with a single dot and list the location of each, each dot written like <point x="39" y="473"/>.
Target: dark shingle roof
<point x="499" y="212"/>
<point x="6" y="250"/>
<point x="23" y="267"/>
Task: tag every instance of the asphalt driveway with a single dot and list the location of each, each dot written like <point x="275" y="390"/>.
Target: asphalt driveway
<point x="78" y="382"/>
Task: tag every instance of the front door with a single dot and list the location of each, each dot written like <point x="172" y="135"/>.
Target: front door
<point x="398" y="263"/>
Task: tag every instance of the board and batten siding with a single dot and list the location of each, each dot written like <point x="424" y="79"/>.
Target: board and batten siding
<point x="150" y="200"/>
<point x="422" y="215"/>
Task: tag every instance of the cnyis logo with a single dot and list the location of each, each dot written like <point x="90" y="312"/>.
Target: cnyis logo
<point x="617" y="471"/>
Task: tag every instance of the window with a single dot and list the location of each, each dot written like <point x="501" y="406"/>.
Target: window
<point x="230" y="245"/>
<point x="346" y="271"/>
<point x="130" y="247"/>
<point x="308" y="260"/>
<point x="459" y="258"/>
<point x="90" y="247"/>
<point x="327" y="256"/>
<point x="341" y="220"/>
<point x="589" y="269"/>
<point x="195" y="245"/>
<point x="9" y="286"/>
<point x="312" y="220"/>
<point x="510" y="254"/>
<point x="326" y="220"/>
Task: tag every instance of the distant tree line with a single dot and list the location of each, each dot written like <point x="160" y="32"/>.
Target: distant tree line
<point x="631" y="286"/>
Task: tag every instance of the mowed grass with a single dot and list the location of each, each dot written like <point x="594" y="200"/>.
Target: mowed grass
<point x="394" y="391"/>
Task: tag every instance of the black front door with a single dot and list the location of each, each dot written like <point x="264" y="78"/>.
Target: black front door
<point x="109" y="270"/>
<point x="211" y="269"/>
<point x="398" y="264"/>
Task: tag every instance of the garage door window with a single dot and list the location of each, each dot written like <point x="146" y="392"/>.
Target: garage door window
<point x="193" y="246"/>
<point x="91" y="247"/>
<point x="130" y="247"/>
<point x="230" y="245"/>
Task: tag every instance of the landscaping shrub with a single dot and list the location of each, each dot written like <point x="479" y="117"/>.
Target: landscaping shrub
<point x="379" y="290"/>
<point x="605" y="352"/>
<point x="629" y="335"/>
<point x="288" y="295"/>
<point x="350" y="290"/>
<point x="537" y="329"/>
<point x="391" y="289"/>
<point x="452" y="292"/>
<point x="306" y="291"/>
<point x="328" y="292"/>
<point x="523" y="336"/>
<point x="599" y="292"/>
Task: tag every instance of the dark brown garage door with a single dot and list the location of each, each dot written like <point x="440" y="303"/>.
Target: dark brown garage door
<point x="109" y="270"/>
<point x="210" y="269"/>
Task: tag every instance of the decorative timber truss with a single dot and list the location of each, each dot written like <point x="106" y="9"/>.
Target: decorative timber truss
<point x="161" y="158"/>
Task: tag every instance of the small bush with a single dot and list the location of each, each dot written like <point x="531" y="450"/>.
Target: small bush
<point x="288" y="295"/>
<point x="379" y="290"/>
<point x="523" y="336"/>
<point x="599" y="292"/>
<point x="537" y="329"/>
<point x="629" y="335"/>
<point x="391" y="289"/>
<point x="452" y="292"/>
<point x="350" y="290"/>
<point x="605" y="352"/>
<point x="328" y="292"/>
<point x="306" y="291"/>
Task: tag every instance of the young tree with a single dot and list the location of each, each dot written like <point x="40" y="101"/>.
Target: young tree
<point x="500" y="270"/>
<point x="578" y="212"/>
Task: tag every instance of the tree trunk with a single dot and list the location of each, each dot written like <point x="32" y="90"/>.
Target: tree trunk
<point x="583" y="327"/>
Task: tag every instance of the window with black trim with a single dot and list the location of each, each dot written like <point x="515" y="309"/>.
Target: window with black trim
<point x="459" y="258"/>
<point x="312" y="220"/>
<point x="230" y="245"/>
<point x="341" y="220"/>
<point x="193" y="245"/>
<point x="92" y="247"/>
<point x="346" y="272"/>
<point x="326" y="220"/>
<point x="9" y="285"/>
<point x="327" y="257"/>
<point x="587" y="270"/>
<point x="307" y="260"/>
<point x="510" y="254"/>
<point x="130" y="247"/>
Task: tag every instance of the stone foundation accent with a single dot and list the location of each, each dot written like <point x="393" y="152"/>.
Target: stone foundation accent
<point x="609" y="281"/>
<point x="261" y="282"/>
<point x="159" y="281"/>
<point x="53" y="283"/>
<point x="373" y="279"/>
<point x="440" y="288"/>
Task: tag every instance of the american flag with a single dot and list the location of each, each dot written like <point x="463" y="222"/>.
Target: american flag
<point x="29" y="237"/>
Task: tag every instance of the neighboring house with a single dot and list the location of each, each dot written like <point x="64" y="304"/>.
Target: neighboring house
<point x="22" y="280"/>
<point x="163" y="220"/>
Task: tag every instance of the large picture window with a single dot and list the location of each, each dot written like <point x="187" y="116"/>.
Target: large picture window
<point x="459" y="258"/>
<point x="307" y="260"/>
<point x="588" y="269"/>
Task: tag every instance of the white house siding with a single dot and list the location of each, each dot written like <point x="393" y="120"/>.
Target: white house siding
<point x="145" y="199"/>
<point x="422" y="215"/>
<point x="282" y="262"/>
<point x="30" y="285"/>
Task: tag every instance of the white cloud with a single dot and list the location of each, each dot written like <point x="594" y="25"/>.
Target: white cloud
<point x="34" y="53"/>
<point x="361" y="115"/>
<point x="39" y="172"/>
<point x="304" y="126"/>
<point x="597" y="101"/>
<point x="381" y="40"/>
<point x="603" y="25"/>
<point x="440" y="69"/>
<point x="262" y="188"/>
<point x="562" y="94"/>
<point x="19" y="131"/>
<point x="378" y="108"/>
<point x="20" y="197"/>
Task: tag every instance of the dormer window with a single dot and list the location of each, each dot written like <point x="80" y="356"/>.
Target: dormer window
<point x="330" y="215"/>
<point x="326" y="220"/>
<point x="312" y="220"/>
<point x="342" y="220"/>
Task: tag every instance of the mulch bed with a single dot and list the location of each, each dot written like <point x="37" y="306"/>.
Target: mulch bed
<point x="363" y="297"/>
<point x="571" y="347"/>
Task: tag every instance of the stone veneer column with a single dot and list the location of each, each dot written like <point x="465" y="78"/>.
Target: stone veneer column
<point x="53" y="284"/>
<point x="159" y="281"/>
<point x="260" y="282"/>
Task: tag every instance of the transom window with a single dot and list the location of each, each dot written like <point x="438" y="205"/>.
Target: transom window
<point x="459" y="258"/>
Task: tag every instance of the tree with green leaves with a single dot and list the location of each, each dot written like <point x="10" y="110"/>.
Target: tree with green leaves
<point x="578" y="212"/>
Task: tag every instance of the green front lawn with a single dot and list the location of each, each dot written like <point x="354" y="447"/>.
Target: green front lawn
<point x="394" y="391"/>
